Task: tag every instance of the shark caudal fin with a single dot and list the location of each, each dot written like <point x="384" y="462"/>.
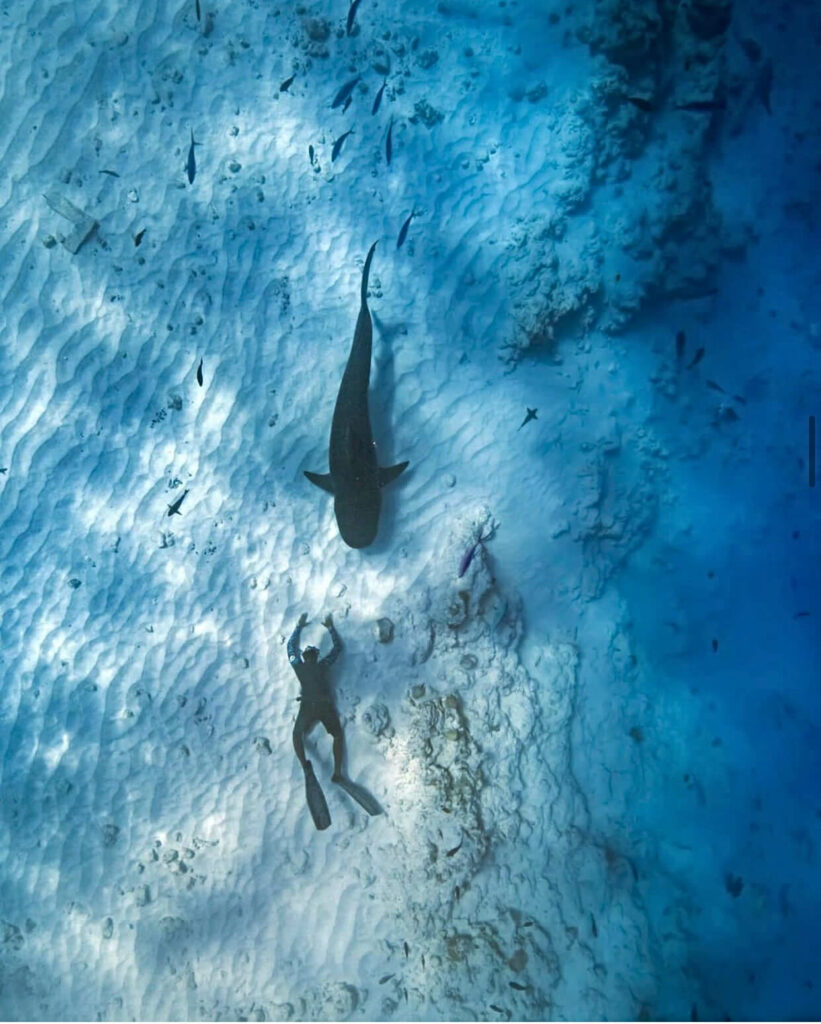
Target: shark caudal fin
<point x="366" y="272"/>
<point x="389" y="473"/>
<point x="322" y="480"/>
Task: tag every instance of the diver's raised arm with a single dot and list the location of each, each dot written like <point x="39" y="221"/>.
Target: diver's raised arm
<point x="335" y="651"/>
<point x="293" y="642"/>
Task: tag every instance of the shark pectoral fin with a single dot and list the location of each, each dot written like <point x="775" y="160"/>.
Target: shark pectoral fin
<point x="322" y="480"/>
<point x="388" y="474"/>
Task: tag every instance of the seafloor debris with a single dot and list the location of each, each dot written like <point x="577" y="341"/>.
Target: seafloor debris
<point x="384" y="630"/>
<point x="83" y="223"/>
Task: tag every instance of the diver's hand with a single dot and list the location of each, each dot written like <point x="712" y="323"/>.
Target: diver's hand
<point x="303" y="618"/>
<point x="328" y="621"/>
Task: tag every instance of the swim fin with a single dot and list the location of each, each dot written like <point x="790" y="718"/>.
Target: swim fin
<point x="362" y="796"/>
<point x="316" y="799"/>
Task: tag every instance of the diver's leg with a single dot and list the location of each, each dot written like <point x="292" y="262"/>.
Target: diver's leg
<point x="301" y="726"/>
<point x="334" y="727"/>
<point x="313" y="791"/>
<point x="331" y="722"/>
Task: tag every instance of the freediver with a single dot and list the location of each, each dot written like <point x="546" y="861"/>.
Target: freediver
<point x="317" y="705"/>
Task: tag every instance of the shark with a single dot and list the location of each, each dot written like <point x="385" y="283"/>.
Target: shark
<point x="356" y="478"/>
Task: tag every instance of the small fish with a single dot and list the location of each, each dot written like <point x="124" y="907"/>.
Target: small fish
<point x="467" y="558"/>
<point x="344" y="92"/>
<point x="594" y="927"/>
<point x="751" y="48"/>
<point x="531" y="415"/>
<point x="407" y="949"/>
<point x="389" y="142"/>
<point x="198" y="9"/>
<point x="716" y="387"/>
<point x="174" y="508"/>
<point x="456" y="849"/>
<point x="646" y="105"/>
<point x="286" y="85"/>
<point x="694" y="294"/>
<point x="403" y="231"/>
<point x="527" y="924"/>
<point x="199" y="374"/>
<point x="740" y="398"/>
<point x="517" y="986"/>
<point x="112" y="173"/>
<point x="729" y="413"/>
<point x="457" y="892"/>
<point x="800" y="615"/>
<point x="696" y="358"/>
<point x="311" y="155"/>
<point x="694" y="1012"/>
<point x="192" y="163"/>
<point x="384" y="978"/>
<point x="406" y="993"/>
<point x="351" y="16"/>
<point x="423" y="959"/>
<point x="498" y="1009"/>
<point x="702" y="106"/>
<point x="715" y="644"/>
<point x="338" y="144"/>
<point x="681" y="341"/>
<point x="346" y="104"/>
<point x="139" y="236"/>
<point x="378" y="97"/>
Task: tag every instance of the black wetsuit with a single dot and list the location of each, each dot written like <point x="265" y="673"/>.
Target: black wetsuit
<point x="317" y="703"/>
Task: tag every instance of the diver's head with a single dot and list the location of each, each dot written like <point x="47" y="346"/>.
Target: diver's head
<point x="310" y="654"/>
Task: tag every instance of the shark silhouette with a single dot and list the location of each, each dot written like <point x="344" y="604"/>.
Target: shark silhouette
<point x="355" y="479"/>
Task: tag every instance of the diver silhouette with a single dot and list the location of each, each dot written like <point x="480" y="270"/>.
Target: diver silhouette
<point x="317" y="705"/>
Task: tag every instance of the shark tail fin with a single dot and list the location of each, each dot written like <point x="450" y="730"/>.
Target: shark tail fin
<point x="322" y="480"/>
<point x="366" y="273"/>
<point x="389" y="473"/>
